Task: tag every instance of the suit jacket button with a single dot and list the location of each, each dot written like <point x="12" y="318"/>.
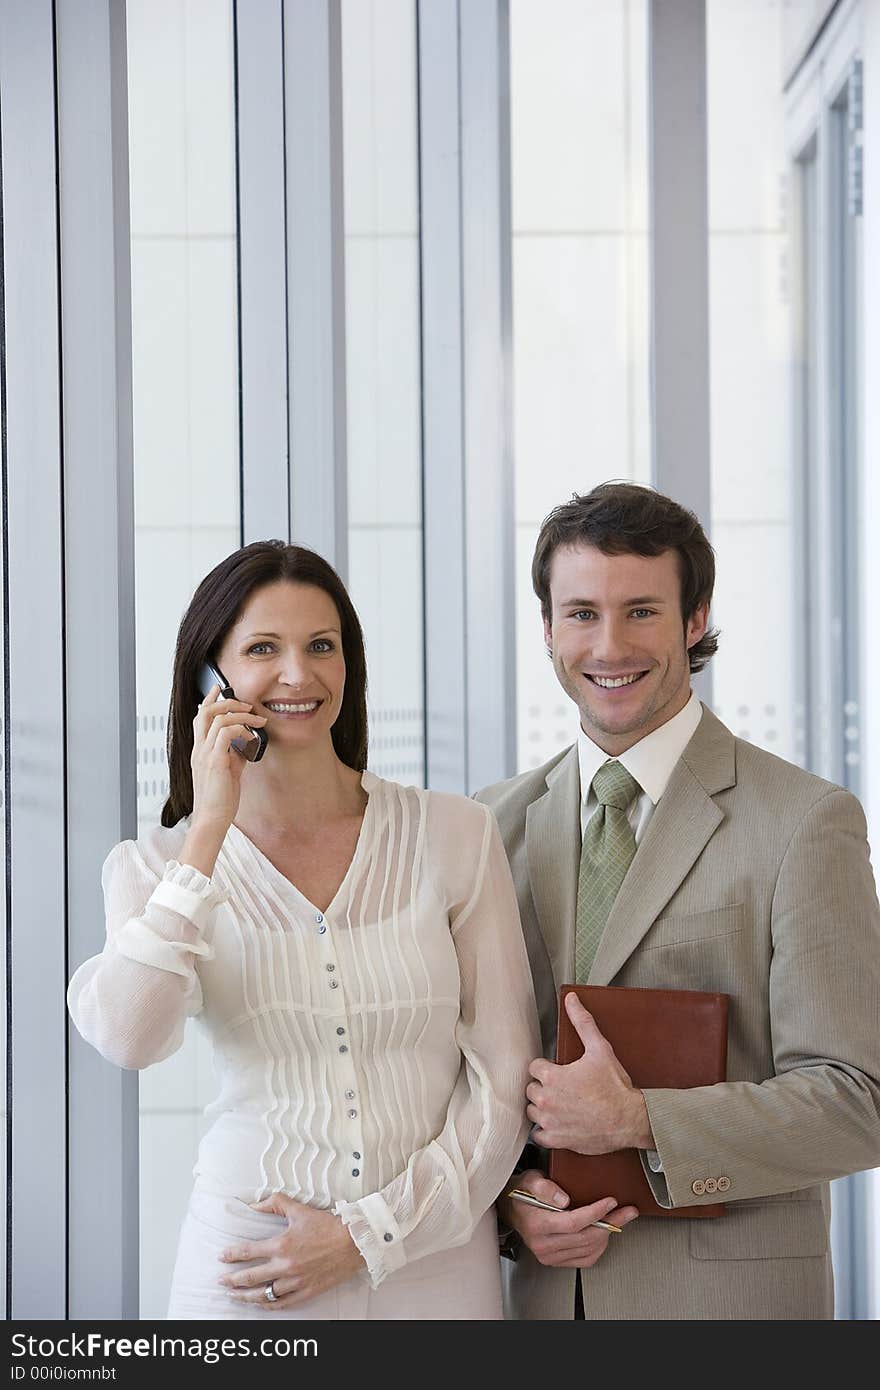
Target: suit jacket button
<point x="698" y="1187"/>
<point x="724" y="1183"/>
<point x="711" y="1185"/>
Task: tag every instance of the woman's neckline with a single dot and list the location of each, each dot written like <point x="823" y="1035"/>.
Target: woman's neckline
<point x="369" y="782"/>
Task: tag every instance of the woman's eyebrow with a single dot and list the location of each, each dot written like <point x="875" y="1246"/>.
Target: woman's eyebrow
<point x="278" y="638"/>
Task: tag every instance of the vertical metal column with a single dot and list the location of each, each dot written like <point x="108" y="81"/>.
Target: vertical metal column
<point x="679" y="251"/>
<point x="443" y="491"/>
<point x="99" y="611"/>
<point x="466" y="355"/>
<point x="487" y="246"/>
<point x="869" y="497"/>
<point x="36" y="827"/>
<point x="678" y="145"/>
<point x="316" y="277"/>
<point x="262" y="268"/>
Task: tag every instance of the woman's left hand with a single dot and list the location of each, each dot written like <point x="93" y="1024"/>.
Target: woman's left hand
<point x="313" y="1254"/>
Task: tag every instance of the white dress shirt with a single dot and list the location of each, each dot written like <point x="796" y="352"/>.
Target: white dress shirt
<point x="372" y="1057"/>
<point x="650" y="762"/>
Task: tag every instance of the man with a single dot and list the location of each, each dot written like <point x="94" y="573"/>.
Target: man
<point x="661" y="852"/>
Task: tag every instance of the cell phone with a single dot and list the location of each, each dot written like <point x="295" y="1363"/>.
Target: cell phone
<point x="250" y="748"/>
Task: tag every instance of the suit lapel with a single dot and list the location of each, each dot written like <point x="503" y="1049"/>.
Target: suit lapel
<point x="553" y="847"/>
<point x="679" y="830"/>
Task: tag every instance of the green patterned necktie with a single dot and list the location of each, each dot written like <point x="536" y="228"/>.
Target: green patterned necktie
<point x="606" y="854"/>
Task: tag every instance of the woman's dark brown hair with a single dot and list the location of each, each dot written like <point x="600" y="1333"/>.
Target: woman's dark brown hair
<point x="625" y="519"/>
<point x="216" y="606"/>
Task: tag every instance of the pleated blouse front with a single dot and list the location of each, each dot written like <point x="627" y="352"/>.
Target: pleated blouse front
<point x="372" y="1058"/>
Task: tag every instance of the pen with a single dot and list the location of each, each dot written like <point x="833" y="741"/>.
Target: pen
<point x="519" y="1196"/>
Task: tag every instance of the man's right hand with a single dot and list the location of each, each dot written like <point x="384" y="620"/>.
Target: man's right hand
<point x="567" y="1239"/>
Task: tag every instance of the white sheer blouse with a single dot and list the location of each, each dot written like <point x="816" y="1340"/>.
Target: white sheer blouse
<point x="372" y="1058"/>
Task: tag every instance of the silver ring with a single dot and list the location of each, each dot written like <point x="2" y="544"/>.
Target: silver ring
<point x="271" y="1295"/>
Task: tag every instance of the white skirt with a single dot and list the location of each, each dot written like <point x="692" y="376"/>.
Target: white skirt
<point x="464" y="1283"/>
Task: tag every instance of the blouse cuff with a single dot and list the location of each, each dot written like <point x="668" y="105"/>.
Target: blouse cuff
<point x="187" y="892"/>
<point x="376" y="1234"/>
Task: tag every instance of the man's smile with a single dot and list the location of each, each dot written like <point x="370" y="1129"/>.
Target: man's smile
<point x="614" y="682"/>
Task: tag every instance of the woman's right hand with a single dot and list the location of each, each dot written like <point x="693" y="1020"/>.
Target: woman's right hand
<point x="216" y="774"/>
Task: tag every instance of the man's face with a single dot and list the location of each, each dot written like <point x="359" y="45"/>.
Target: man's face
<point x="617" y="619"/>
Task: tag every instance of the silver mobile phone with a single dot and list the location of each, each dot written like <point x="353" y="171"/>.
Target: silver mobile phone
<point x="250" y="748"/>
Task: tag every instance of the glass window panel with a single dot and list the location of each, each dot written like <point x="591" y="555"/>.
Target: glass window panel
<point x="806" y="450"/>
<point x="752" y="521"/>
<point x="846" y="301"/>
<point x="383" y="367"/>
<point x="579" y="154"/>
<point x="801" y="21"/>
<point x="187" y="506"/>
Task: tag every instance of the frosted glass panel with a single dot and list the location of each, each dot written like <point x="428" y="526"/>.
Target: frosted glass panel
<point x="187" y="507"/>
<point x="751" y="361"/>
<point x="383" y="367"/>
<point x="579" y="153"/>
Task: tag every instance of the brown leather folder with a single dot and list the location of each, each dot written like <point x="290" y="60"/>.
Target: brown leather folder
<point x="666" y="1038"/>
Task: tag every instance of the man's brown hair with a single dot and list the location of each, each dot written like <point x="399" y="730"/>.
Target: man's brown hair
<point x="626" y="519"/>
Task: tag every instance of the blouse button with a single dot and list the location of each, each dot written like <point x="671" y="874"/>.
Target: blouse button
<point x="388" y="1236"/>
<point x="322" y="928"/>
<point x="355" y="1154"/>
<point x="352" y="1114"/>
<point x="340" y="1031"/>
<point x="319" y="917"/>
<point x="330" y="967"/>
<point x="349" y="1095"/>
<point x="355" y="1172"/>
<point x="334" y="984"/>
<point x="343" y="1048"/>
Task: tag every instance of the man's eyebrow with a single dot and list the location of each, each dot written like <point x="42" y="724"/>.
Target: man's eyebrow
<point x="626" y="603"/>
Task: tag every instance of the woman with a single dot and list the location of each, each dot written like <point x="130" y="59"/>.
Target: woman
<point x="352" y="947"/>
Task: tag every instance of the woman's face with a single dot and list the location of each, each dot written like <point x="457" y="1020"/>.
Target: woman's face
<point x="284" y="656"/>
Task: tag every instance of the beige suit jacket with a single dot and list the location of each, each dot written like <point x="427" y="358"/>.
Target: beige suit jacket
<point x="753" y="878"/>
